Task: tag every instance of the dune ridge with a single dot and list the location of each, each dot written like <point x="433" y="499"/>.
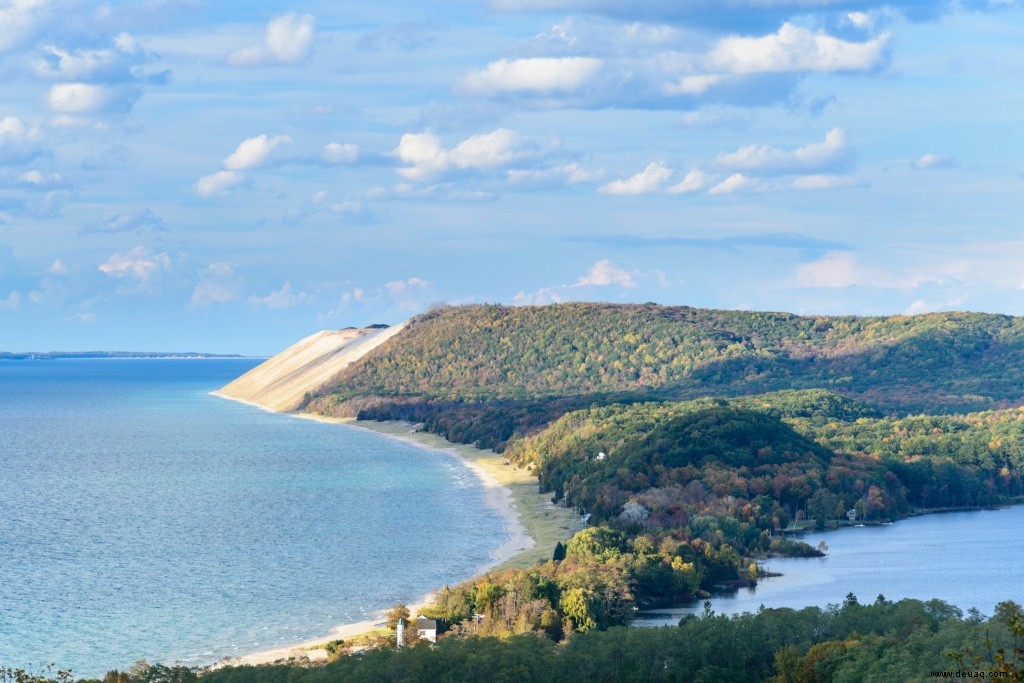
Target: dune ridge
<point x="280" y="383"/>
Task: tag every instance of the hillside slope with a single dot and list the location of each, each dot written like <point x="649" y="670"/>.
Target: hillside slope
<point x="938" y="361"/>
<point x="282" y="382"/>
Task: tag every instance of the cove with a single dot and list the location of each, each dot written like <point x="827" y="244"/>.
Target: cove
<point x="968" y="559"/>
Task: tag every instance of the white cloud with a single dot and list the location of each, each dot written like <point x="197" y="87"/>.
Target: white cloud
<point x="425" y="157"/>
<point x="337" y="153"/>
<point x="253" y="152"/>
<point x="287" y="41"/>
<point x="646" y="181"/>
<point x="484" y="151"/>
<point x="694" y="85"/>
<point x="922" y="306"/>
<point x="138" y="264"/>
<point x="89" y="98"/>
<point x="218" y="183"/>
<point x="860" y="19"/>
<point x="104" y="65"/>
<point x="19" y="143"/>
<point x="605" y="273"/>
<point x="833" y="153"/>
<point x="20" y="20"/>
<point x="928" y="162"/>
<point x="281" y="298"/>
<point x="693" y="181"/>
<point x="737" y="182"/>
<point x="542" y="75"/>
<point x="794" y="48"/>
<point x="403" y="285"/>
<point x="42" y="181"/>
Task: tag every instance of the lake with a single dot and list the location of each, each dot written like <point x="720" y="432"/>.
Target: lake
<point x="969" y="559"/>
<point x="142" y="518"/>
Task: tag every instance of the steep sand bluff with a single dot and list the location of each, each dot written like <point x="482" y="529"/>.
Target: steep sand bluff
<point x="281" y="382"/>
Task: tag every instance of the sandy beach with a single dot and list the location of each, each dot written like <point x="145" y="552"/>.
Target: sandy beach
<point x="507" y="490"/>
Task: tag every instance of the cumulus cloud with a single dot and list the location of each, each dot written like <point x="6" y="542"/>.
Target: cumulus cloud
<point x="287" y="41"/>
<point x="20" y="21"/>
<point x="139" y="264"/>
<point x="218" y="184"/>
<point x="793" y="48"/>
<point x="338" y="153"/>
<point x="137" y="221"/>
<point x="19" y="143"/>
<point x="42" y="182"/>
<point x="282" y="298"/>
<point x="604" y="273"/>
<point x="92" y="81"/>
<point x="540" y="75"/>
<point x="831" y="154"/>
<point x="424" y="156"/>
<point x="646" y="181"/>
<point x="108" y="65"/>
<point x="403" y="285"/>
<point x="737" y="182"/>
<point x="929" y="162"/>
<point x="253" y="152"/>
<point x="692" y="182"/>
<point x="91" y="98"/>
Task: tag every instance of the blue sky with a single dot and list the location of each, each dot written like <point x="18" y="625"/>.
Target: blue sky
<point x="230" y="177"/>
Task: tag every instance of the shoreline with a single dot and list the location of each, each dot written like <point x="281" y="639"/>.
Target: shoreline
<point x="529" y="519"/>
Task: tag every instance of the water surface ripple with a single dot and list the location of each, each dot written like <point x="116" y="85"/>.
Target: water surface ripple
<point x="142" y="518"/>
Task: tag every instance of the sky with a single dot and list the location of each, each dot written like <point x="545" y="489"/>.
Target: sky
<point x="190" y="175"/>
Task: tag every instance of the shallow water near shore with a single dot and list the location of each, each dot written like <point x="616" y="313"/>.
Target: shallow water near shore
<point x="968" y="559"/>
<point x="142" y="518"/>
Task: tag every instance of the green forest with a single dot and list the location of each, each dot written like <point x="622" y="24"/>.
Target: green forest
<point x="483" y="373"/>
<point x="695" y="441"/>
<point x="876" y="642"/>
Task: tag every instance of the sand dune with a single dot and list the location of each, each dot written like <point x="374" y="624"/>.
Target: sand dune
<point x="281" y="382"/>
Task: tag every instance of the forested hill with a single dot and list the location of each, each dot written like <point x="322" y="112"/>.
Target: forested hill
<point x="512" y="360"/>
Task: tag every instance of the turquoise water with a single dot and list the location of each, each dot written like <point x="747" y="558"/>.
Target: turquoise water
<point x="142" y="518"/>
<point x="968" y="559"/>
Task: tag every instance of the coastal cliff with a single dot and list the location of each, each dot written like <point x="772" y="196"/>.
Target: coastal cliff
<point x="280" y="383"/>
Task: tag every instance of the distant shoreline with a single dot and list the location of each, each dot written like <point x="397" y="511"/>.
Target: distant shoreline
<point x="122" y="355"/>
<point x="532" y="523"/>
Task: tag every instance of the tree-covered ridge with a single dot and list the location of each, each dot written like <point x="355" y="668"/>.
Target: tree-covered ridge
<point x="737" y="471"/>
<point x="937" y="362"/>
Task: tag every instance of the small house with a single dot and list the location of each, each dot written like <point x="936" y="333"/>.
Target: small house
<point x="426" y="629"/>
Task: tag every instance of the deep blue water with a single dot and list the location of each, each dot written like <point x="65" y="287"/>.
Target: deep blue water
<point x="968" y="559"/>
<point x="142" y="518"/>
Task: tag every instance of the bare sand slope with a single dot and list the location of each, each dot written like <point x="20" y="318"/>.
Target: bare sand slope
<point x="281" y="382"/>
